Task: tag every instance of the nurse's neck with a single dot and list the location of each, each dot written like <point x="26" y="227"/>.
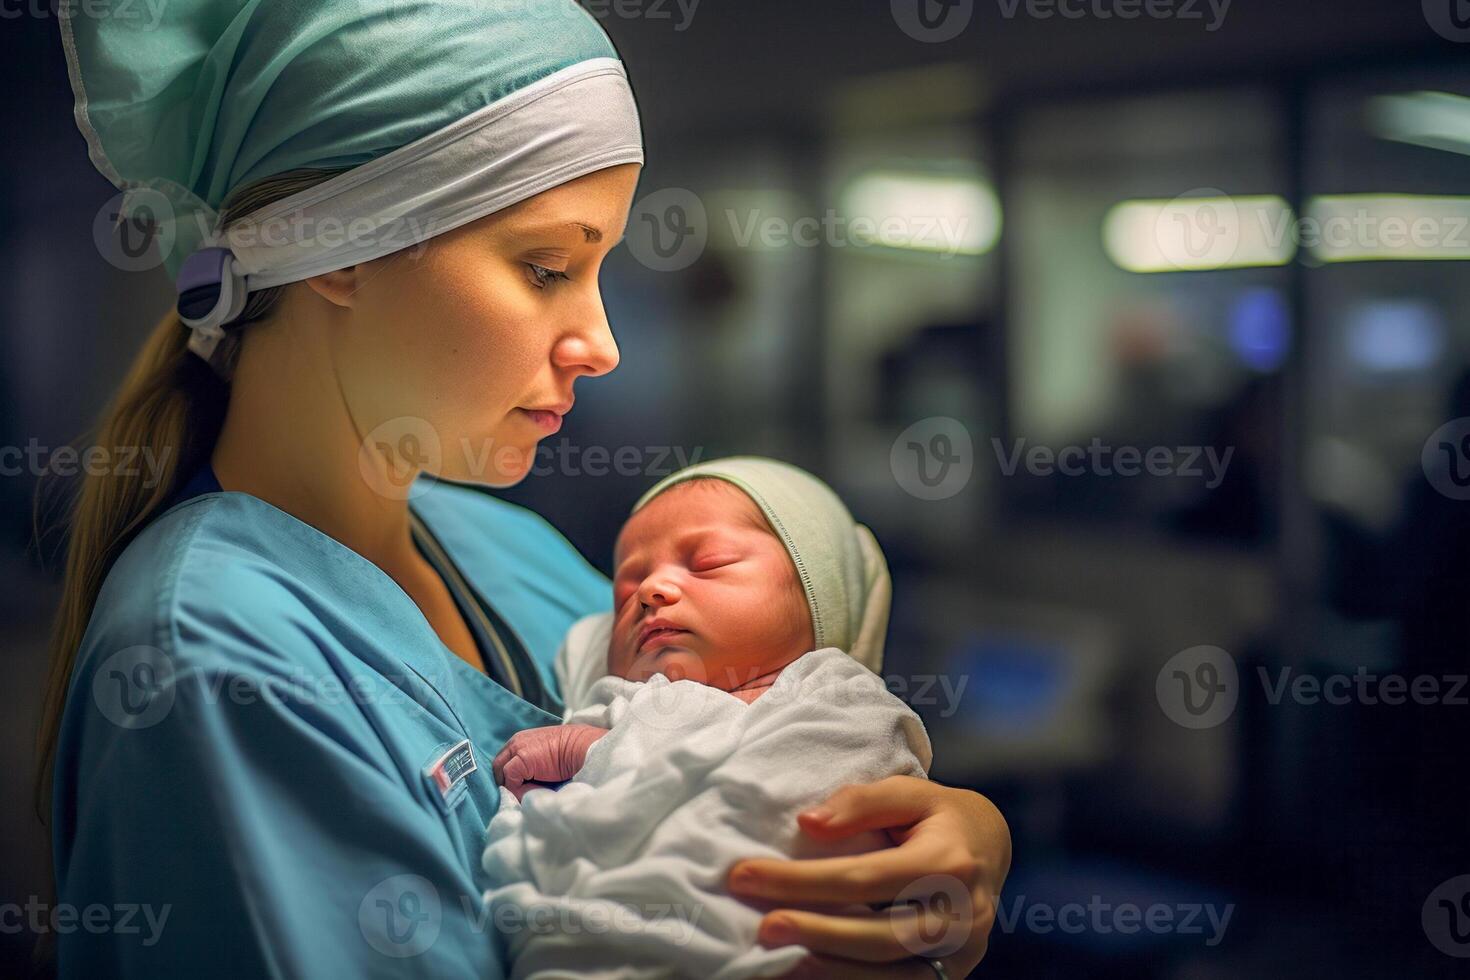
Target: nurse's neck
<point x="288" y="438"/>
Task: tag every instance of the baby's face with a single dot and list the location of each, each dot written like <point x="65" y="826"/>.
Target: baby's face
<point x="703" y="590"/>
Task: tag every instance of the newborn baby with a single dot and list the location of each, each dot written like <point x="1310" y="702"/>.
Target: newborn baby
<point x="733" y="685"/>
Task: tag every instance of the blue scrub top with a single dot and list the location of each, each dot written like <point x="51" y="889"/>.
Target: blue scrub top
<point x="263" y="748"/>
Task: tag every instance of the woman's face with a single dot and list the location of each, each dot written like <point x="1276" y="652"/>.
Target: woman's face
<point x="460" y="354"/>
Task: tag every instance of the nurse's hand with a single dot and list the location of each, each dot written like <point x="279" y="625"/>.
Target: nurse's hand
<point x="953" y="854"/>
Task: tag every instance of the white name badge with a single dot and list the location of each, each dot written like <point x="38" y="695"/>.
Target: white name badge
<point x="446" y="775"/>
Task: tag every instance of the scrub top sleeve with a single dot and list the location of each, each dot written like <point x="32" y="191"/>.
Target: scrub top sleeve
<point x="254" y="838"/>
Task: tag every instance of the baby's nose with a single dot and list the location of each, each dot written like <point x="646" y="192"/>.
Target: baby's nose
<point x="661" y="592"/>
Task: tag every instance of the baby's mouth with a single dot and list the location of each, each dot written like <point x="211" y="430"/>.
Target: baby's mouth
<point x="662" y="633"/>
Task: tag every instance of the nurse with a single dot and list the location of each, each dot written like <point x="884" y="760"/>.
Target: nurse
<point x="277" y="673"/>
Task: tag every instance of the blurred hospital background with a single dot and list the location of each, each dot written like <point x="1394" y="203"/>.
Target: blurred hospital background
<point x="1140" y="335"/>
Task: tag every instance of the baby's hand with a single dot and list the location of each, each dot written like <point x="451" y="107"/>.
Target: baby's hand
<point x="543" y="755"/>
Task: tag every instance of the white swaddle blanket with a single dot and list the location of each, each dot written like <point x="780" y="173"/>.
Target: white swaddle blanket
<point x="620" y="872"/>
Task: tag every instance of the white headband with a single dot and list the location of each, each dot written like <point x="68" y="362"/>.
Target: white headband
<point x="575" y="121"/>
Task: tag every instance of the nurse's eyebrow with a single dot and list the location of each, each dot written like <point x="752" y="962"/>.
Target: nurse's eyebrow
<point x="590" y="233"/>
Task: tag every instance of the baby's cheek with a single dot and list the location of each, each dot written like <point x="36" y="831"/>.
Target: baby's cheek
<point x="618" y="659"/>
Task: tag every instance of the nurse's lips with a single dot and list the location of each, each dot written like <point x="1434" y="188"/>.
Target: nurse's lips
<point x="547" y="419"/>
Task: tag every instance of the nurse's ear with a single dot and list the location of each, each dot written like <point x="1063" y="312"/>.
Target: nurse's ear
<point x="338" y="286"/>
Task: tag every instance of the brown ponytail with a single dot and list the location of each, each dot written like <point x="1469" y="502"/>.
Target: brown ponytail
<point x="170" y="406"/>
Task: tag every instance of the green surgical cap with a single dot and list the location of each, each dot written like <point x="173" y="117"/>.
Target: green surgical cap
<point x="190" y="99"/>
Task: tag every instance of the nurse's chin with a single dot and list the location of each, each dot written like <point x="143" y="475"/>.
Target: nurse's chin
<point x="504" y="465"/>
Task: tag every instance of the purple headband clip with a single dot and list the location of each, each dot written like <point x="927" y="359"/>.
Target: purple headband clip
<point x="212" y="292"/>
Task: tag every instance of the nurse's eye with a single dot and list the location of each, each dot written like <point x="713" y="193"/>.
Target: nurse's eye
<point x="543" y="276"/>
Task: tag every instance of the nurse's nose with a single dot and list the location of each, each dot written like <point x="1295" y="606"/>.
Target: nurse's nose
<point x="590" y="348"/>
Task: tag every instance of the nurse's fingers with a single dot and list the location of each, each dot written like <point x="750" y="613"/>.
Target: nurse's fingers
<point x="819" y="967"/>
<point x="876" y="876"/>
<point x="889" y="804"/>
<point x="877" y="937"/>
